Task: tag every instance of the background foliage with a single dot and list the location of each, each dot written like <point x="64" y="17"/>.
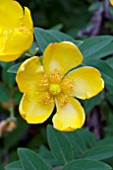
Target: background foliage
<point x="89" y="24"/>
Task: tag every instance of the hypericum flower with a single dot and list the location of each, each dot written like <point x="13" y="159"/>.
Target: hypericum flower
<point x="111" y="1"/>
<point x="16" y="30"/>
<point x="47" y="85"/>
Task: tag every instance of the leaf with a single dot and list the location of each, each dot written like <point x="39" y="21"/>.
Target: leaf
<point x="89" y="104"/>
<point x="59" y="145"/>
<point x="92" y="45"/>
<point x="14" y="68"/>
<point x="110" y="60"/>
<point x="57" y="27"/>
<point x="107" y="50"/>
<point x="78" y="144"/>
<point x="2" y="64"/>
<point x="89" y="138"/>
<point x="47" y="156"/>
<point x="105" y="69"/>
<point x="14" y="166"/>
<point x="100" y="152"/>
<point x="81" y="141"/>
<point x="45" y="37"/>
<point x="32" y="161"/>
<point x="106" y="141"/>
<point x="4" y="93"/>
<point x="86" y="165"/>
<point x="109" y="96"/>
<point x="9" y="79"/>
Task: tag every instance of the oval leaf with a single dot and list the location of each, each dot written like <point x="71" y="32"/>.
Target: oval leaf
<point x="45" y="37"/>
<point x="14" y="68"/>
<point x="93" y="45"/>
<point x="14" y="166"/>
<point x="32" y="161"/>
<point x="86" y="165"/>
<point x="59" y="145"/>
<point x="99" y="152"/>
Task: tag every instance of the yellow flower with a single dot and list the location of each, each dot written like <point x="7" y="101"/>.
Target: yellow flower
<point x="47" y="85"/>
<point x="111" y="1"/>
<point x="16" y="30"/>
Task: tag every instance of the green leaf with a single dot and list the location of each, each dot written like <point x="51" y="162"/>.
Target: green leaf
<point x="107" y="50"/>
<point x="2" y="64"/>
<point x="14" y="166"/>
<point x="86" y="165"/>
<point x="77" y="142"/>
<point x="106" y="141"/>
<point x="109" y="96"/>
<point x="4" y="93"/>
<point x="14" y="68"/>
<point x="57" y="27"/>
<point x="110" y="60"/>
<point x="45" y="37"/>
<point x="101" y="152"/>
<point x="32" y="161"/>
<point x="59" y="145"/>
<point x="47" y="156"/>
<point x="92" y="45"/>
<point x="9" y="79"/>
<point x="89" y="104"/>
<point x="89" y="138"/>
<point x="105" y="69"/>
<point x="81" y="141"/>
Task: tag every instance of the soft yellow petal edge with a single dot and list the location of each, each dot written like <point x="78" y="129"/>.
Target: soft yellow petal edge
<point x="70" y="117"/>
<point x="32" y="110"/>
<point x="111" y="1"/>
<point x="28" y="72"/>
<point x="61" y="57"/>
<point x="87" y="82"/>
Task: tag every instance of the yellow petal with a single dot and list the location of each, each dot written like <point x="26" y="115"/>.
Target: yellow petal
<point x="3" y="39"/>
<point x="18" y="41"/>
<point x="87" y="82"/>
<point x="61" y="57"/>
<point x="14" y="43"/>
<point x="111" y="1"/>
<point x="69" y="117"/>
<point x="16" y="30"/>
<point x="11" y="14"/>
<point x="27" y="20"/>
<point x="29" y="74"/>
<point x="8" y="56"/>
<point x="33" y="110"/>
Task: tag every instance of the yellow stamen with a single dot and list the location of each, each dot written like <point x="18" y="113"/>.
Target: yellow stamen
<point x="55" y="78"/>
<point x="47" y="98"/>
<point x="54" y="89"/>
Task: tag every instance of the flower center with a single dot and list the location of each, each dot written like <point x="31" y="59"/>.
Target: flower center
<point x="54" y="89"/>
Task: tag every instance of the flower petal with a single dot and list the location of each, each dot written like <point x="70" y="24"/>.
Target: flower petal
<point x="87" y="82"/>
<point x="8" y="56"/>
<point x="29" y="74"/>
<point x="61" y="57"/>
<point x="69" y="117"/>
<point x="16" y="32"/>
<point x="11" y="10"/>
<point x="18" y="41"/>
<point x="27" y="20"/>
<point x="33" y="110"/>
<point x="111" y="1"/>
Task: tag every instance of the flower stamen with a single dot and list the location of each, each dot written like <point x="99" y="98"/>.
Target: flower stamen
<point x="54" y="89"/>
